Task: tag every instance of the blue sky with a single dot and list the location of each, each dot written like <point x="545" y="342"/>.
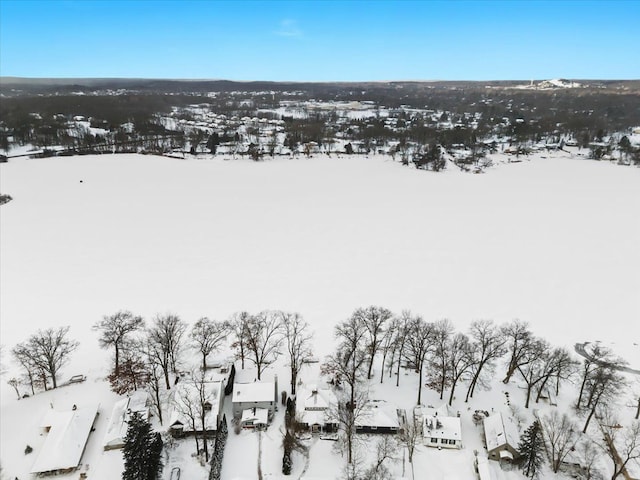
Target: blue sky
<point x="321" y="41"/>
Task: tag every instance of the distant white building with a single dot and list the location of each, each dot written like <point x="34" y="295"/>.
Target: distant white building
<point x="439" y="429"/>
<point x="122" y="411"/>
<point x="181" y="424"/>
<point x="67" y="434"/>
<point x="254" y="395"/>
<point x="315" y="409"/>
<point x="501" y="438"/>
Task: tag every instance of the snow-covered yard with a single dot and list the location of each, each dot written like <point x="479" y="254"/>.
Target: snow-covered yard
<point x="552" y="241"/>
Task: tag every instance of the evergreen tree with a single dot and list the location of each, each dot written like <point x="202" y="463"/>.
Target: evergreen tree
<point x="530" y="447"/>
<point x="142" y="451"/>
<point x="218" y="449"/>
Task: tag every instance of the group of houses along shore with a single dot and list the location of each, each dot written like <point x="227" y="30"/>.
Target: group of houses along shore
<point x="254" y="405"/>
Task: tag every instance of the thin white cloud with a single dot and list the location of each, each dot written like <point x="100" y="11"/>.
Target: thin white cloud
<point x="288" y="28"/>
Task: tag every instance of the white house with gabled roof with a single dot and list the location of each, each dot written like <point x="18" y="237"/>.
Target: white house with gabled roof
<point x="439" y="429"/>
<point x="315" y="408"/>
<point x="254" y="395"/>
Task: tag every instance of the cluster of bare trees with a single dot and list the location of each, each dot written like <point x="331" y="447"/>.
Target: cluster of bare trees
<point x="558" y="438"/>
<point x="430" y="349"/>
<point x="600" y="382"/>
<point x="443" y="358"/>
<point x="261" y="338"/>
<point x="150" y="354"/>
<point x="41" y="357"/>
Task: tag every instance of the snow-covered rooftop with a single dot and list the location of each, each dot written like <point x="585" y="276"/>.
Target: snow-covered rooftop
<point x="378" y="413"/>
<point x="484" y="472"/>
<point x="437" y="426"/>
<point x="313" y="405"/>
<point x="257" y="416"/>
<point x="122" y="410"/>
<point x="67" y="436"/>
<point x="499" y="431"/>
<point x="254" y="392"/>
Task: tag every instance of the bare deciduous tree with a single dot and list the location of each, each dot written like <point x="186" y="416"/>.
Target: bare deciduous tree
<point x="388" y="345"/>
<point x="489" y="345"/>
<point x="535" y="366"/>
<point x="346" y="413"/>
<point x="589" y="455"/>
<point x="597" y="355"/>
<point x="374" y="320"/>
<point x="602" y="387"/>
<point x="621" y="444"/>
<point x="402" y="332"/>
<point x="519" y="340"/>
<point x="48" y="350"/>
<point x="461" y="359"/>
<point x="207" y="336"/>
<point x="386" y="449"/>
<point x="187" y="403"/>
<point x="561" y="365"/>
<point x="114" y="330"/>
<point x="561" y="436"/>
<point x="443" y="329"/>
<point x="164" y="340"/>
<point x="347" y="366"/>
<point x="24" y="357"/>
<point x="154" y="373"/>
<point x="264" y="339"/>
<point x="298" y="342"/>
<point x="411" y="436"/>
<point x="238" y="324"/>
<point x="418" y="339"/>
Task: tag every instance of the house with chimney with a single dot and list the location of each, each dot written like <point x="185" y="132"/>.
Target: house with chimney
<point x="316" y="408"/>
<point x="439" y="429"/>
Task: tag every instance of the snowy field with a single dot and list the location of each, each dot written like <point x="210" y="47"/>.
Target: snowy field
<point x="552" y="241"/>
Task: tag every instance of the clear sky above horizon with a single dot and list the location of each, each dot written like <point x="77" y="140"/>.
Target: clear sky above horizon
<point x="322" y="40"/>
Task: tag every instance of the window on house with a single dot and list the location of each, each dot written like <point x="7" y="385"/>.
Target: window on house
<point x="434" y="440"/>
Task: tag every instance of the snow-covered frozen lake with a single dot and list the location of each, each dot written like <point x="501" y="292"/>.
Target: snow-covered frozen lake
<point x="552" y="241"/>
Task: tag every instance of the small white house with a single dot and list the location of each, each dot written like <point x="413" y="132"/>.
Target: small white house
<point x="501" y="438"/>
<point x="440" y="430"/>
<point x="118" y="422"/>
<point x="315" y="409"/>
<point x="247" y="396"/>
